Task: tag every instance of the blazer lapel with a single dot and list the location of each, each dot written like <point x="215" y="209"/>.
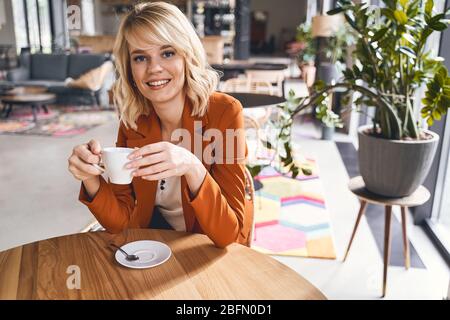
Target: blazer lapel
<point x="149" y="127"/>
<point x="195" y="126"/>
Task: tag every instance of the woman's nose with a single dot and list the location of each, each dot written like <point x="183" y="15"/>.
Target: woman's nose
<point x="154" y="66"/>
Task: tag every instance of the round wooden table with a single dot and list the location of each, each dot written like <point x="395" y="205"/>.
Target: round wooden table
<point x="418" y="197"/>
<point x="35" y="97"/>
<point x="48" y="269"/>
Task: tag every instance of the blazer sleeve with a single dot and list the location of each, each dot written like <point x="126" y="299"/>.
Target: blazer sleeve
<point x="113" y="204"/>
<point x="220" y="202"/>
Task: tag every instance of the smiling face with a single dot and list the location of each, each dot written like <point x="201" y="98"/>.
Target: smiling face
<point x="158" y="71"/>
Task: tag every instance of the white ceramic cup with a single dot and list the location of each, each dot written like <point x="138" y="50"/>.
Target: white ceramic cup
<point x="114" y="160"/>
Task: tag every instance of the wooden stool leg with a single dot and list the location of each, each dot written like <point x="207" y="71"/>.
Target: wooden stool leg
<point x="360" y="214"/>
<point x="387" y="245"/>
<point x="405" y="239"/>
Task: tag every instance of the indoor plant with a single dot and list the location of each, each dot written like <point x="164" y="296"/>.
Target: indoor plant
<point x="277" y="138"/>
<point x="336" y="46"/>
<point x="306" y="54"/>
<point x="328" y="118"/>
<point x="392" y="63"/>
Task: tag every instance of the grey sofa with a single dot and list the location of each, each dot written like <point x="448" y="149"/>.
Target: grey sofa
<point x="51" y="71"/>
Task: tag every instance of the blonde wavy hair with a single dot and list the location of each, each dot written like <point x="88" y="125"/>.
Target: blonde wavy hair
<point x="160" y="23"/>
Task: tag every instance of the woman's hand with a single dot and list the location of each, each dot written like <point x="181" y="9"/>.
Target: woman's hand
<point x="162" y="160"/>
<point x="82" y="158"/>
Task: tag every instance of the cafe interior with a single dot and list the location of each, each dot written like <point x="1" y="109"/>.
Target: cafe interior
<point x="313" y="76"/>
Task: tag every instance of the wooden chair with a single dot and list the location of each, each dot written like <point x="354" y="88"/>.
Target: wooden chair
<point x="249" y="204"/>
<point x="246" y="85"/>
<point x="250" y="123"/>
<point x="268" y="76"/>
<point x="214" y="47"/>
<point x="236" y="85"/>
<point x="262" y="114"/>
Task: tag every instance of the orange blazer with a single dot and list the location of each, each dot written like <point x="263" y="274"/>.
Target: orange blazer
<point x="218" y="209"/>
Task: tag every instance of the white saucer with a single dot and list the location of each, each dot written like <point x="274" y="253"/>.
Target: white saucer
<point x="150" y="253"/>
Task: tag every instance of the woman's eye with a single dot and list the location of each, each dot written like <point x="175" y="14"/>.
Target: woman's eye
<point x="168" y="54"/>
<point x="139" y="58"/>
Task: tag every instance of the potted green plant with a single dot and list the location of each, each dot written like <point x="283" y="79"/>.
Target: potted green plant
<point x="336" y="47"/>
<point x="328" y="118"/>
<point x="277" y="138"/>
<point x="307" y="53"/>
<point x="392" y="63"/>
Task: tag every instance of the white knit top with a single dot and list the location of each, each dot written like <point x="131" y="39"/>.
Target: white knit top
<point x="169" y="203"/>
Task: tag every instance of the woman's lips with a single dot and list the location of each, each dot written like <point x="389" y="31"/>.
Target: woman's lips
<point x="157" y="85"/>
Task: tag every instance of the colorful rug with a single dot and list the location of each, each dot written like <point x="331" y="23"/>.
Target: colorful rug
<point x="58" y="122"/>
<point x="291" y="217"/>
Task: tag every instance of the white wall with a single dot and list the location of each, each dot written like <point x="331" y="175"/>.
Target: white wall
<point x="281" y="14"/>
<point x="7" y="35"/>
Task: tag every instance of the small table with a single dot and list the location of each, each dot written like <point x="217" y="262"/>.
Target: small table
<point x="196" y="270"/>
<point x="419" y="197"/>
<point x="256" y="100"/>
<point x="245" y="65"/>
<point x="234" y="68"/>
<point x="35" y="97"/>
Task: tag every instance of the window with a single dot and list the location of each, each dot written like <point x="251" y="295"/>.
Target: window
<point x="32" y="25"/>
<point x="444" y="215"/>
<point x="20" y="25"/>
<point x="44" y="26"/>
<point x="440" y="219"/>
<point x="438" y="224"/>
<point x="88" y="20"/>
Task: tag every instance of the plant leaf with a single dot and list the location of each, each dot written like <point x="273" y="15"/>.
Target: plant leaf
<point x="408" y="51"/>
<point x="438" y="26"/>
<point x="409" y="38"/>
<point x="436" y="115"/>
<point x="379" y="34"/>
<point x="429" y="7"/>
<point x="335" y="11"/>
<point x="400" y="16"/>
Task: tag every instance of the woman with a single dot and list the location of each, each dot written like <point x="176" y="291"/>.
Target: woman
<point x="164" y="85"/>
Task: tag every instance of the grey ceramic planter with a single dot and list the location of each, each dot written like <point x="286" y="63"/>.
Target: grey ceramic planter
<point x="327" y="132"/>
<point x="327" y="72"/>
<point x="394" y="168"/>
